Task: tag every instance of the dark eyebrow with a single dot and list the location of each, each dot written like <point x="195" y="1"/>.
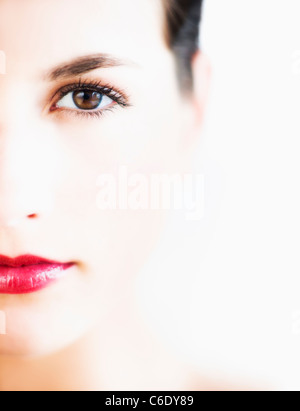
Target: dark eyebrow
<point x="85" y="64"/>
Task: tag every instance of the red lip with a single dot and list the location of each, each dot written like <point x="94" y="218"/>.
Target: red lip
<point x="27" y="273"/>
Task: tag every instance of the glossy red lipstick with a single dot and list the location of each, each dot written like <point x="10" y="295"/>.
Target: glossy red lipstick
<point x="27" y="273"/>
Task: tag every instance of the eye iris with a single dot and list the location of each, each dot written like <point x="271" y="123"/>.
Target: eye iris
<point x="87" y="100"/>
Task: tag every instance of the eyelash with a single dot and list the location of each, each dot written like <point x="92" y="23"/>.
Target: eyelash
<point x="118" y="96"/>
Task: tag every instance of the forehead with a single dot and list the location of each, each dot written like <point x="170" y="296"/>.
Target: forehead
<point x="34" y="33"/>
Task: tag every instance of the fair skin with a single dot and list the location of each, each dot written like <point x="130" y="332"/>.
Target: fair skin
<point x="85" y="331"/>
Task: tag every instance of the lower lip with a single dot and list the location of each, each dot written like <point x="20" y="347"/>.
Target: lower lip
<point x="31" y="278"/>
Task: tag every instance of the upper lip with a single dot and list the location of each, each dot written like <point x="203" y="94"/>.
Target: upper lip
<point x="24" y="261"/>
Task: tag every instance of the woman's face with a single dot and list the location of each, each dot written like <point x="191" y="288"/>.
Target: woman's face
<point x="90" y="89"/>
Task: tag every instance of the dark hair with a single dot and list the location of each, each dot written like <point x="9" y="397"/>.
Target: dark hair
<point x="182" y="33"/>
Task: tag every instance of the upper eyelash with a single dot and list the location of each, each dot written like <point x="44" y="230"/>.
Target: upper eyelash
<point x="112" y="92"/>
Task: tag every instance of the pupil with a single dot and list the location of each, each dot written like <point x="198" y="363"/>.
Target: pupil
<point x="87" y="100"/>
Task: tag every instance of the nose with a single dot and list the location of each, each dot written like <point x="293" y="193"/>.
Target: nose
<point x="26" y="169"/>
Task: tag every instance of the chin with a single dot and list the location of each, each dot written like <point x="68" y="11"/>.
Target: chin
<point x="37" y="334"/>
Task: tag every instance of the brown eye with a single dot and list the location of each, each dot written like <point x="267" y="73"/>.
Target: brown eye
<point x="84" y="100"/>
<point x="87" y="100"/>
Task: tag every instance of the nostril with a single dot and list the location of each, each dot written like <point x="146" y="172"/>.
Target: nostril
<point x="32" y="216"/>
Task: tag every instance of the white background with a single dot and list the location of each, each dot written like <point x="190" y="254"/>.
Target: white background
<point x="225" y="292"/>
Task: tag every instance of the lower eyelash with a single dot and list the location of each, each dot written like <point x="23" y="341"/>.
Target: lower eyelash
<point x="89" y="114"/>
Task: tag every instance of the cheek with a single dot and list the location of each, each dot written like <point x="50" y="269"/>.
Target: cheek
<point x="111" y="244"/>
<point x="119" y="246"/>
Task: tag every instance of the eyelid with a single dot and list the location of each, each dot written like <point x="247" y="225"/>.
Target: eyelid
<point x="105" y="89"/>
